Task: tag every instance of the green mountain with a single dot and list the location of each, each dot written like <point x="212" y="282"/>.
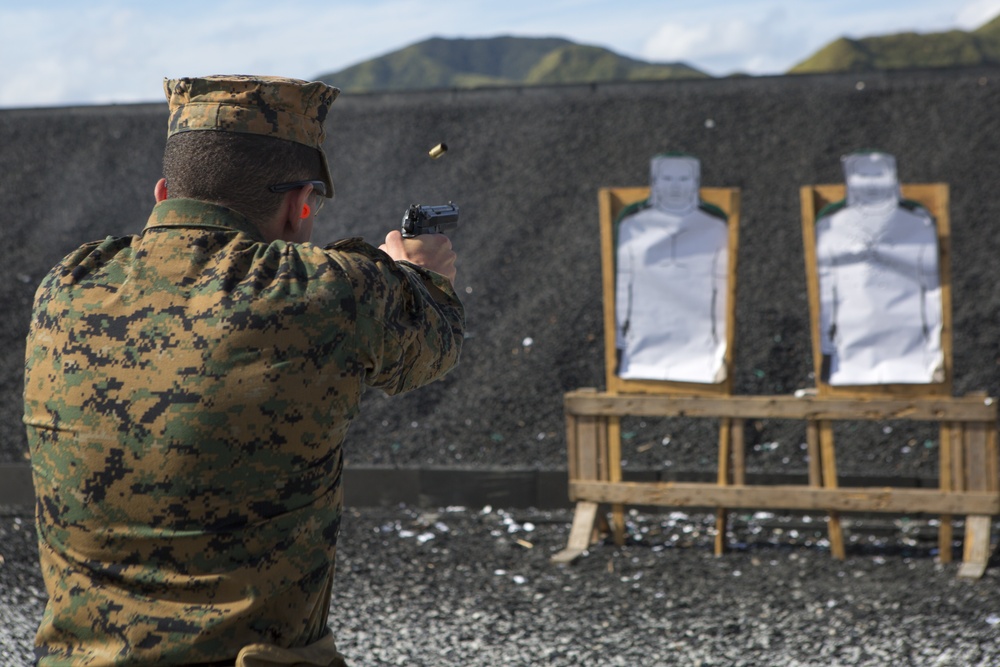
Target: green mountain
<point x="497" y="61"/>
<point x="954" y="48"/>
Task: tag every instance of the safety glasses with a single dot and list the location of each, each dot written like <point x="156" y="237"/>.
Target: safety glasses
<point x="318" y="195"/>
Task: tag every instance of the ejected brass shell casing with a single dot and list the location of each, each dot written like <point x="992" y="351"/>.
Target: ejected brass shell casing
<point x="438" y="151"/>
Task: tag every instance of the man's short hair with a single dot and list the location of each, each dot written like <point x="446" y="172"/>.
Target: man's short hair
<point x="235" y="170"/>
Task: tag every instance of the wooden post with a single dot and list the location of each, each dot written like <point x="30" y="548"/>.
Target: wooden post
<point x="615" y="475"/>
<point x="829" y="467"/>
<point x="723" y="478"/>
<point x="580" y="534"/>
<point x="586" y="444"/>
<point x="946" y="484"/>
<point x="977" y="528"/>
<point x="739" y="453"/>
<point x="815" y="462"/>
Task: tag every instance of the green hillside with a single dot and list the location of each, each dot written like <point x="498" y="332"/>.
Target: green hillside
<point x="497" y="61"/>
<point x="954" y="48"/>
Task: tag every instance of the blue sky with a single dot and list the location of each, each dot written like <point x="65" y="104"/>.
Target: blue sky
<point x="63" y="52"/>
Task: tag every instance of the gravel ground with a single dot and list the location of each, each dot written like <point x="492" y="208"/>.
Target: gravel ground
<point x="458" y="586"/>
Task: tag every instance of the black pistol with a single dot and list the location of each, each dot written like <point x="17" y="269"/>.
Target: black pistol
<point x="429" y="219"/>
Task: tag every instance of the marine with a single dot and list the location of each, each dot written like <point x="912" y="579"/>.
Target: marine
<point x="188" y="390"/>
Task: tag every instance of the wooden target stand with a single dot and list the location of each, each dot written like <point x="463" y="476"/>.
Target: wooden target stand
<point x="968" y="446"/>
<point x="968" y="449"/>
<point x="594" y="440"/>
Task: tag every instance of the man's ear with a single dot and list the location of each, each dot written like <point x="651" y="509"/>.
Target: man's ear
<point x="160" y="190"/>
<point x="298" y="208"/>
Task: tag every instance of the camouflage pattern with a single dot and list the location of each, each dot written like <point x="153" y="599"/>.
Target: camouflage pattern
<point x="270" y="106"/>
<point x="187" y="393"/>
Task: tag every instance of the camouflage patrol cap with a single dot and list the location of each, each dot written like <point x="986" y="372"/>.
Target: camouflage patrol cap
<point x="270" y="106"/>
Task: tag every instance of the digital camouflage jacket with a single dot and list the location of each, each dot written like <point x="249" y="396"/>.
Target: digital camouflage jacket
<point x="187" y="392"/>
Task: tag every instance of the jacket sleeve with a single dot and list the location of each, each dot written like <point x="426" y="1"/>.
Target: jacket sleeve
<point x="410" y="323"/>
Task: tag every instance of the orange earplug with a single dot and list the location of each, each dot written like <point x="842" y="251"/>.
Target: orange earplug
<point x="306" y="211"/>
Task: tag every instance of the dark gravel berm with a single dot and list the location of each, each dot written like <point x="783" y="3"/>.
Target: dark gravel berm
<point x="525" y="165"/>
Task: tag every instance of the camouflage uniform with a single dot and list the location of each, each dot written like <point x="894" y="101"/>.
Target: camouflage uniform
<point x="187" y="392"/>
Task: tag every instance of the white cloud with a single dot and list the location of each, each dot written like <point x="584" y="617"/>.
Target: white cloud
<point x="770" y="36"/>
<point x="673" y="41"/>
<point x="113" y="53"/>
<point x="974" y="14"/>
<point x="761" y="42"/>
<point x="75" y="57"/>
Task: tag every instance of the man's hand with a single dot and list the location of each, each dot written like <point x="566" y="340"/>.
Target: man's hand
<point x="431" y="251"/>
